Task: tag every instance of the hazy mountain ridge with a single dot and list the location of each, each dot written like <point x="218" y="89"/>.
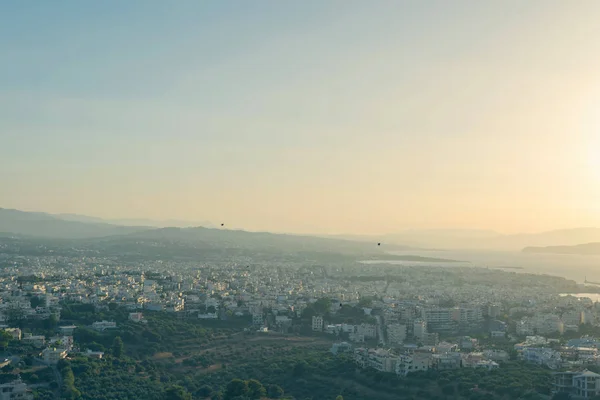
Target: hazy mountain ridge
<point x="245" y="239"/>
<point x="185" y="240"/>
<point x="141" y="222"/>
<point x="73" y="226"/>
<point x="581" y="249"/>
<point x="36" y="224"/>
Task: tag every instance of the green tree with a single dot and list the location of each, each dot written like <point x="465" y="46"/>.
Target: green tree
<point x="204" y="391"/>
<point x="365" y="302"/>
<point x="300" y="368"/>
<point x="275" y="391"/>
<point x="117" y="347"/>
<point x="177" y="392"/>
<point x="562" y="396"/>
<point x="37" y="301"/>
<point x="448" y="390"/>
<point x="51" y="322"/>
<point x="256" y="390"/>
<point x="5" y="337"/>
<point x="340" y="397"/>
<point x="236" y="388"/>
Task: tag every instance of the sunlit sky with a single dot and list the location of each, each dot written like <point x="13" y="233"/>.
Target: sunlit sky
<point x="304" y="116"/>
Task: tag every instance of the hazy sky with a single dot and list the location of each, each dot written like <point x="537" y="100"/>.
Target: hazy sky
<point x="304" y="116"/>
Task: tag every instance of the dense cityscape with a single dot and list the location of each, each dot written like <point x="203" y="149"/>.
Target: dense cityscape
<point x="300" y="200"/>
<point x="72" y="317"/>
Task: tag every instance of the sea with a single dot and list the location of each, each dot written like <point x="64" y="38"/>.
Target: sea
<point x="575" y="267"/>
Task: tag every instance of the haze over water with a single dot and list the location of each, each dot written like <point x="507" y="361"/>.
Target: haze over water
<point x="575" y="267"/>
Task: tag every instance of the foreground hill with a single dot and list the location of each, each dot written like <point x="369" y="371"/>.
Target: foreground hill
<point x="15" y="222"/>
<point x="582" y="249"/>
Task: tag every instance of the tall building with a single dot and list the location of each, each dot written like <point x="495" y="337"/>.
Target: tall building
<point x="442" y="319"/>
<point x="396" y="334"/>
<point x="419" y="329"/>
<point x="317" y="323"/>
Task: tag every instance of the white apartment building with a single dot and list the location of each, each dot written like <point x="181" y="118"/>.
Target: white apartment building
<point x="547" y="323"/>
<point x="581" y="384"/>
<point x="396" y="334"/>
<point x="415" y="362"/>
<point x="542" y="356"/>
<point x="470" y="315"/>
<point x="53" y="355"/>
<point x="451" y="360"/>
<point x="367" y="330"/>
<point x="441" y="319"/>
<point x="378" y="359"/>
<point x="525" y="327"/>
<point x="317" y="323"/>
<point x="572" y="318"/>
<point x="419" y="329"/>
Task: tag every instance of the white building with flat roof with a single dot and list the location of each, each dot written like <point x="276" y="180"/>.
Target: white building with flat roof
<point x="15" y="390"/>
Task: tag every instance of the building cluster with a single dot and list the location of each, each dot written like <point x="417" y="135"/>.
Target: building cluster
<point x="393" y="319"/>
<point x="413" y="359"/>
<point x="574" y="354"/>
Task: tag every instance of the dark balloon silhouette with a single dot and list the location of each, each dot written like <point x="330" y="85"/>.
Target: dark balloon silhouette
<point x="222" y="224"/>
<point x="378" y="244"/>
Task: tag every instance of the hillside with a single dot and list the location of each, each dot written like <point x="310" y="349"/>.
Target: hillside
<point x="236" y="240"/>
<point x="582" y="249"/>
<point x="21" y="223"/>
<point x="34" y="229"/>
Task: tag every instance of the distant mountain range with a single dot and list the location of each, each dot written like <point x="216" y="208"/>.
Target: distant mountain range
<point x="196" y="241"/>
<point x="21" y="223"/>
<point x="581" y="249"/>
<point x="72" y="226"/>
<point x="136" y="221"/>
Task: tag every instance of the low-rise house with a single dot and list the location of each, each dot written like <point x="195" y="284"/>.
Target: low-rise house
<point x="37" y="341"/>
<point x="496" y="355"/>
<point x="14" y="332"/>
<point x="498" y="335"/>
<point x="447" y="360"/>
<point x="15" y="390"/>
<point x="413" y="363"/>
<point x="369" y="331"/>
<point x="101" y="326"/>
<point x="542" y="356"/>
<point x="445" y="347"/>
<point x="94" y="354"/>
<point x="378" y="359"/>
<point x="343" y="347"/>
<point x="467" y="343"/>
<point x="54" y="355"/>
<point x="136" y="316"/>
<point x="67" y="330"/>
